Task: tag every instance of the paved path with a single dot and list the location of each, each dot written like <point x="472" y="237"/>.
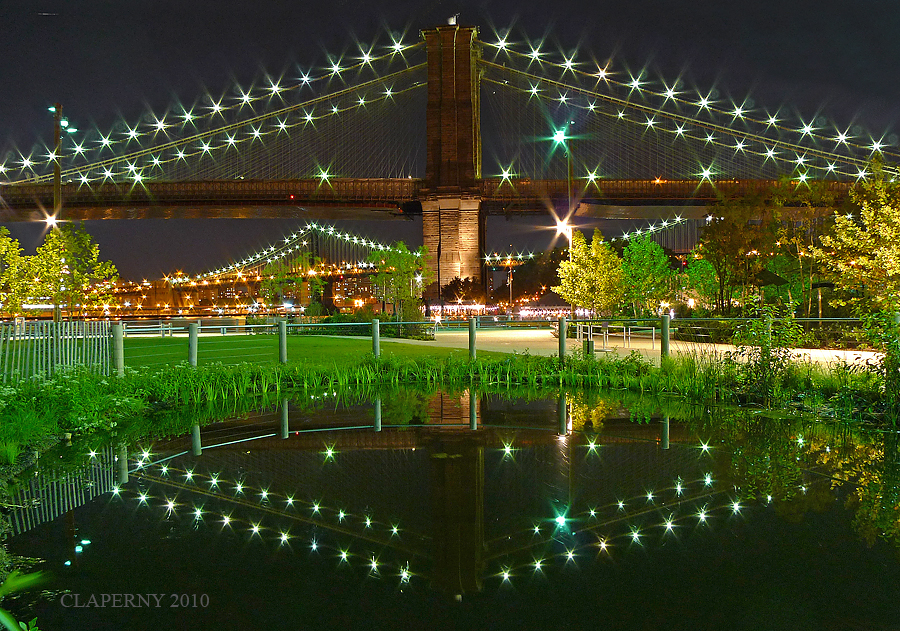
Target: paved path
<point x="542" y="342"/>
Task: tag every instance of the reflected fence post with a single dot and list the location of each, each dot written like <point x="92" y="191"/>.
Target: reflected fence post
<point x="122" y="463"/>
<point x="285" y="427"/>
<point x="196" y="445"/>
<point x="473" y="409"/>
<point x="563" y="415"/>
<point x="377" y="425"/>
<point x="664" y="439"/>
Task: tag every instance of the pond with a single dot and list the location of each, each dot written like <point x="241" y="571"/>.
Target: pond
<point x="463" y="510"/>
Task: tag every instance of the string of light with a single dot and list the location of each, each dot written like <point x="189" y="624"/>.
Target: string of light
<point x="670" y="95"/>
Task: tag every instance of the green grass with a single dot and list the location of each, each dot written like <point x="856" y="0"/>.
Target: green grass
<point x="317" y="351"/>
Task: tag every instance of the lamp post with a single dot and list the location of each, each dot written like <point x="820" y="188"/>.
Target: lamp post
<point x="563" y="228"/>
<point x="560" y="138"/>
<point x="59" y="123"/>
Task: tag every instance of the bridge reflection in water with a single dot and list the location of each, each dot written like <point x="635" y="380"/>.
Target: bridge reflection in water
<point x="470" y="487"/>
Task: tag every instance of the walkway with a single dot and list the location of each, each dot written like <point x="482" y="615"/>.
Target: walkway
<point x="542" y="342"/>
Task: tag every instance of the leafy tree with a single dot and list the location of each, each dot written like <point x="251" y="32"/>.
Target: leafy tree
<point x="700" y="281"/>
<point x="647" y="275"/>
<point x="737" y="242"/>
<point x="861" y="253"/>
<point x="799" y="213"/>
<point x="283" y="276"/>
<point x="67" y="269"/>
<point x="592" y="278"/>
<point x="401" y="278"/>
<point x="464" y="289"/>
<point x="536" y="275"/>
<point x="15" y="279"/>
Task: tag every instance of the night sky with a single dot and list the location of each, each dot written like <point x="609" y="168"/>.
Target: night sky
<point x="109" y="59"/>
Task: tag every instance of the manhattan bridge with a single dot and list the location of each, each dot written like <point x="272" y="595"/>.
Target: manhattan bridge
<point x="451" y="127"/>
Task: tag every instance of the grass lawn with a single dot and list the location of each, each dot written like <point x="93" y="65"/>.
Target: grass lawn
<point x="262" y="349"/>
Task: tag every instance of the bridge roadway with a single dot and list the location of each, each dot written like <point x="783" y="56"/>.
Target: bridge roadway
<point x="344" y="198"/>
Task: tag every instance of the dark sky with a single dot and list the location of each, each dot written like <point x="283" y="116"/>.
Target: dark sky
<point x="106" y="59"/>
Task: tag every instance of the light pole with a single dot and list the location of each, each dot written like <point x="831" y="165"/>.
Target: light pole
<point x="563" y="227"/>
<point x="59" y="123"/>
<point x="560" y="138"/>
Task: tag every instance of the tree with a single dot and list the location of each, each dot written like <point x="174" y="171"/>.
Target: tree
<point x="67" y="269"/>
<point x="464" y="289"/>
<point x="737" y="242"/>
<point x="592" y="278"/>
<point x="15" y="280"/>
<point x="700" y="280"/>
<point x="401" y="278"/>
<point x="282" y="276"/>
<point x="861" y="253"/>
<point x="647" y="275"/>
<point x="799" y="212"/>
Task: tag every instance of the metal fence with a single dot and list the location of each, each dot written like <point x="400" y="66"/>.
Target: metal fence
<point x="33" y="348"/>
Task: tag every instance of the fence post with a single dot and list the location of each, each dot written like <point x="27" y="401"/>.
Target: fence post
<point x="562" y="339"/>
<point x="376" y="339"/>
<point x="472" y="324"/>
<point x="664" y="336"/>
<point x="118" y="335"/>
<point x="193" y="333"/>
<point x="282" y="341"/>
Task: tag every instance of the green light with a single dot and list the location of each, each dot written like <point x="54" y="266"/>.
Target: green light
<point x="559" y="136"/>
<point x="561" y="520"/>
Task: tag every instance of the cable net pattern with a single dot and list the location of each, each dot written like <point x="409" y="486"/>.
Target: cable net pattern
<point x="540" y="115"/>
<point x="363" y="121"/>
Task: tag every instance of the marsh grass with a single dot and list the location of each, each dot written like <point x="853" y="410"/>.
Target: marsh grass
<point x="77" y="401"/>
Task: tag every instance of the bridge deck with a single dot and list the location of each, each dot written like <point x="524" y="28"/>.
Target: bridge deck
<point x="350" y="198"/>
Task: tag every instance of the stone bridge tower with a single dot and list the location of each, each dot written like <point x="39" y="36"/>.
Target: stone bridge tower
<point x="452" y="221"/>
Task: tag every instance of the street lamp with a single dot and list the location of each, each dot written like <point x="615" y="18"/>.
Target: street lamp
<point x="560" y="138"/>
<point x="563" y="228"/>
<point x="59" y="123"/>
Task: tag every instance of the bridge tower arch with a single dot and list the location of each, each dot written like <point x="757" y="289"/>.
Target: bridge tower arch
<point x="452" y="218"/>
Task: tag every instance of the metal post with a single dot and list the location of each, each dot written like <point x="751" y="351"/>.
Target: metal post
<point x="664" y="336"/>
<point x="282" y="341"/>
<point x="193" y="332"/>
<point x="122" y="464"/>
<point x="118" y="334"/>
<point x="562" y="338"/>
<point x="57" y="184"/>
<point x="377" y="426"/>
<point x="285" y="427"/>
<point x="376" y="339"/>
<point x="473" y="410"/>
<point x="472" y="324"/>
<point x="196" y="445"/>
<point x="563" y="415"/>
<point x="665" y="432"/>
